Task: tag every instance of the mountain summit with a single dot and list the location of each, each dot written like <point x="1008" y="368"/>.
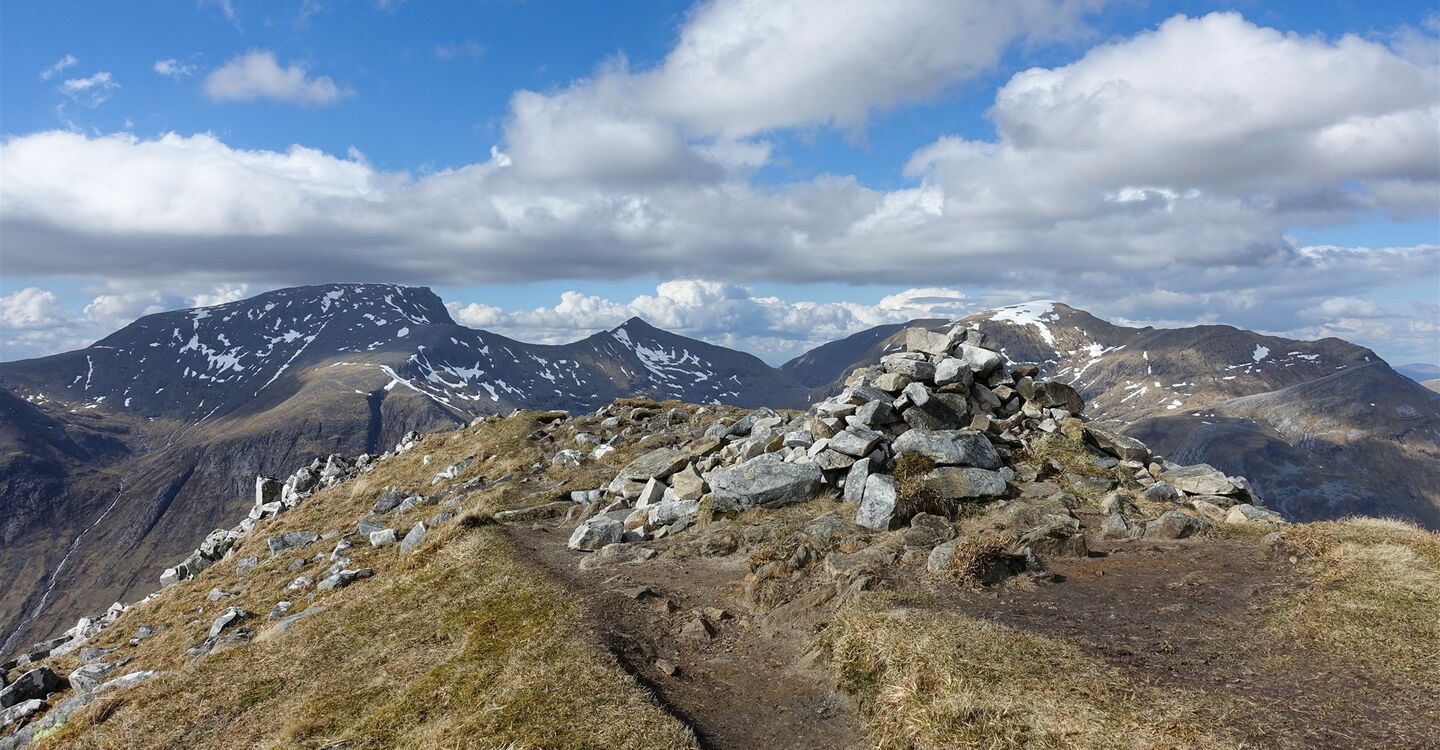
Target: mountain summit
<point x="115" y="457"/>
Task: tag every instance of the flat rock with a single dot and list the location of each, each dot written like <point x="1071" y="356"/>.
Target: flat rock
<point x="1247" y="513"/>
<point x="657" y="464"/>
<point x="927" y="341"/>
<point x="594" y="533"/>
<point x="892" y="382"/>
<point x="763" y="482"/>
<point x="953" y="371"/>
<point x="910" y="367"/>
<point x="855" y="480"/>
<point x="673" y="511"/>
<point x="1051" y="394"/>
<point x="1120" y="446"/>
<point x="950" y="447"/>
<point x="87" y="678"/>
<point x="36" y="683"/>
<point x="19" y="713"/>
<point x="982" y="361"/>
<point x="292" y="540"/>
<point x="856" y="441"/>
<point x="1199" y="479"/>
<point x="414" y="537"/>
<point x="1173" y="524"/>
<point x="616" y="554"/>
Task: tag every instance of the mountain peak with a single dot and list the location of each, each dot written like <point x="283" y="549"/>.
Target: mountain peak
<point x="635" y="323"/>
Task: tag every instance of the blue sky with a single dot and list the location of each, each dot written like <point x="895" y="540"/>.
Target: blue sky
<point x="410" y="106"/>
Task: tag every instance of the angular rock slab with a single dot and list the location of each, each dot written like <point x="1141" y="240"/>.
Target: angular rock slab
<point x="594" y="533"/>
<point x="1199" y="479"/>
<point x="763" y="482"/>
<point x="950" y="447"/>
<point x="960" y="482"/>
<point x="877" y="507"/>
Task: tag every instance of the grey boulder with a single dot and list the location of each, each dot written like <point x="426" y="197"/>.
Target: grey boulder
<point x="1200" y="479"/>
<point x="594" y="533"/>
<point x="950" y="447"/>
<point x="292" y="540"/>
<point x="413" y="537"/>
<point x="763" y="482"/>
<point x="855" y="441"/>
<point x="958" y="482"/>
<point x="344" y="578"/>
<point x="36" y="683"/>
<point x="877" y="507"/>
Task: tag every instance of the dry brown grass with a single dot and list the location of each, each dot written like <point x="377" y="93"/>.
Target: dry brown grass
<point x="1074" y="457"/>
<point x="911" y="494"/>
<point x="928" y="677"/>
<point x="980" y="559"/>
<point x="1373" y="599"/>
<point x="457" y="646"/>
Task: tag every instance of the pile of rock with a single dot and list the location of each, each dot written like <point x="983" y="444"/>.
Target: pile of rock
<point x="963" y="414"/>
<point x="274" y="497"/>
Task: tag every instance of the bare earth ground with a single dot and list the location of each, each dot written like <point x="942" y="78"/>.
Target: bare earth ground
<point x="1186" y="615"/>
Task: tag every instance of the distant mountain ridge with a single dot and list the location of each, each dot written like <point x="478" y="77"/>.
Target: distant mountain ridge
<point x="199" y="363"/>
<point x="1419" y="371"/>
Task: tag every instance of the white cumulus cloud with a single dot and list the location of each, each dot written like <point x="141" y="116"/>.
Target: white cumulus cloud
<point x="727" y="314"/>
<point x="258" y="75"/>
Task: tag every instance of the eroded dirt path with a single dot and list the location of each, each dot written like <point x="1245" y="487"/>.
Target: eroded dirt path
<point x="751" y="686"/>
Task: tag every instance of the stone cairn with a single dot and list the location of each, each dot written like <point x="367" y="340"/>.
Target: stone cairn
<point x="964" y="412"/>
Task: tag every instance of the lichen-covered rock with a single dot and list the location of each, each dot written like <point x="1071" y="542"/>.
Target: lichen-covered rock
<point x="36" y="683"/>
<point x="962" y="482"/>
<point x="1120" y="446"/>
<point x="1247" y="513"/>
<point x="292" y="540"/>
<point x="1200" y="479"/>
<point x="414" y="537"/>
